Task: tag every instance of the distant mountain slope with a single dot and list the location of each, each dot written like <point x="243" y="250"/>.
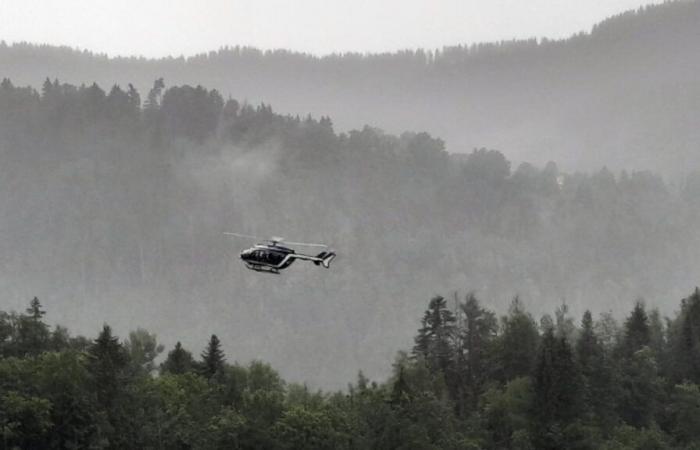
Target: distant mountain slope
<point x="113" y="205"/>
<point x="625" y="95"/>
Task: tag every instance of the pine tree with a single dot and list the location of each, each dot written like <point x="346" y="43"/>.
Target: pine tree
<point x="107" y="360"/>
<point x="134" y="99"/>
<point x="476" y="334"/>
<point x="34" y="311"/>
<point x="179" y="361"/>
<point x="685" y="341"/>
<point x="400" y="391"/>
<point x="213" y="358"/>
<point x="597" y="375"/>
<point x="46" y="88"/>
<point x="33" y="333"/>
<point x="637" y="332"/>
<point x="517" y="344"/>
<point x="587" y="346"/>
<point x="556" y="387"/>
<point x="422" y="340"/>
<point x="154" y="95"/>
<point x="435" y="338"/>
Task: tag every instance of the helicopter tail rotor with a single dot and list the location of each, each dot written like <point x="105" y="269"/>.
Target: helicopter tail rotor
<point x="325" y="259"/>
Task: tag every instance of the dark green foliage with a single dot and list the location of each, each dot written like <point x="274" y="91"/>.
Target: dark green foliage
<point x="557" y="401"/>
<point x="641" y="389"/>
<point x="637" y="332"/>
<point x="178" y="362"/>
<point x="517" y="343"/>
<point x="685" y="341"/>
<point x="24" y="420"/>
<point x="597" y="374"/>
<point x="476" y="333"/>
<point x="683" y="408"/>
<point x="507" y="414"/>
<point x="583" y="396"/>
<point x="212" y="358"/>
<point x="106" y="361"/>
<point x="33" y="333"/>
<point x="190" y="112"/>
<point x="434" y="342"/>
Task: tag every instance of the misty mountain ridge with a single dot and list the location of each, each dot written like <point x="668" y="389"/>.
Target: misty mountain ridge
<point x="115" y="203"/>
<point x="624" y="96"/>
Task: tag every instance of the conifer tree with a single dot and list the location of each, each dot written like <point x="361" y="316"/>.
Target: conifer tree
<point x="154" y="95"/>
<point x="400" y="393"/>
<point x="213" y="358"/>
<point x="179" y="361"/>
<point x="517" y="344"/>
<point x="597" y="375"/>
<point x="422" y="340"/>
<point x="107" y="360"/>
<point x="637" y="333"/>
<point x="435" y="338"/>
<point x="33" y="332"/>
<point x="685" y="341"/>
<point x="34" y="311"/>
<point x="477" y="332"/>
<point x="556" y="387"/>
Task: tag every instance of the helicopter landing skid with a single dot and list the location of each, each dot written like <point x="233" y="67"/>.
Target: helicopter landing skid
<point x="260" y="268"/>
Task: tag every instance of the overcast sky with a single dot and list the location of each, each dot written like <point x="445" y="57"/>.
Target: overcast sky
<point x="175" y="27"/>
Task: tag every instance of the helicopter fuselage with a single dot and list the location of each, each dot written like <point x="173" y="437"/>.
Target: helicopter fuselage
<point x="272" y="258"/>
<point x="268" y="258"/>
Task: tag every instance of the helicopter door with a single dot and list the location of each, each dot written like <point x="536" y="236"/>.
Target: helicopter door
<point x="261" y="256"/>
<point x="275" y="258"/>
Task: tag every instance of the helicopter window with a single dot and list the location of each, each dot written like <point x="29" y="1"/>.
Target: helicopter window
<point x="275" y="258"/>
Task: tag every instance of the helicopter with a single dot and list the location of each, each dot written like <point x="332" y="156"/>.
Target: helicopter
<point x="271" y="257"/>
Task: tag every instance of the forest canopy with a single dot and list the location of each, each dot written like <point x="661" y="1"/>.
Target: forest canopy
<point x="623" y="95"/>
<point x="114" y="203"/>
<point x="473" y="380"/>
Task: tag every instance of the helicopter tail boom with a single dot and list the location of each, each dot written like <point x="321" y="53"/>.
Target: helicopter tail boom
<point x="322" y="259"/>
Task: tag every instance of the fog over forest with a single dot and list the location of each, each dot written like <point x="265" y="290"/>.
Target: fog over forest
<point x="624" y="95"/>
<point x="115" y="198"/>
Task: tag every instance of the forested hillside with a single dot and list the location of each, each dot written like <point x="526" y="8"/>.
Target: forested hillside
<point x="626" y="95"/>
<point x="114" y="204"/>
<point x="472" y="381"/>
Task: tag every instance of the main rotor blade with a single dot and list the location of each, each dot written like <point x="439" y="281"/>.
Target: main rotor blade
<point x="246" y="236"/>
<point x="305" y="244"/>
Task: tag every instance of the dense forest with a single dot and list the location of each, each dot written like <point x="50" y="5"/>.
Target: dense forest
<point x="624" y="95"/>
<point x="114" y="204"/>
<point x="472" y="381"/>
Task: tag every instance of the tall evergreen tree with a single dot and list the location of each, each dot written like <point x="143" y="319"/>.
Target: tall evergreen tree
<point x="34" y="311"/>
<point x="556" y="388"/>
<point x="597" y="375"/>
<point x="517" y="344"/>
<point x="33" y="333"/>
<point x="476" y="334"/>
<point x="685" y="341"/>
<point x="636" y="333"/>
<point x="213" y="358"/>
<point x="106" y="362"/>
<point x="435" y="338"/>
